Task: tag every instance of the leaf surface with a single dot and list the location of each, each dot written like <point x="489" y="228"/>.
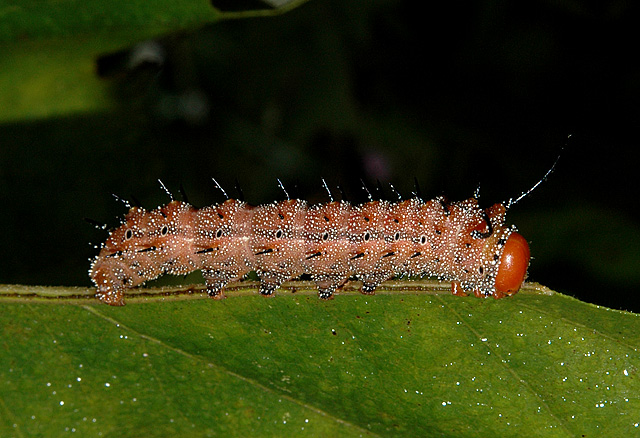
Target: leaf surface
<point x="399" y="363"/>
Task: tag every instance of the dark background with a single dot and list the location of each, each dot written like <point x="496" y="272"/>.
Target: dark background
<point x="453" y="94"/>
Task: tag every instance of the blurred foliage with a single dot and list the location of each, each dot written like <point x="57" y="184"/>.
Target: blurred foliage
<point x="387" y="90"/>
<point x="48" y="49"/>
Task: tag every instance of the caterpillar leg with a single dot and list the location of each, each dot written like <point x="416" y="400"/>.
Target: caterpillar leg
<point x="109" y="285"/>
<point x="326" y="288"/>
<point x="112" y="297"/>
<point x="369" y="288"/>
<point x="456" y="289"/>
<point x="500" y="294"/>
<point x="371" y="282"/>
<point x="215" y="282"/>
<point x="268" y="289"/>
<point x="477" y="293"/>
<point x="327" y="285"/>
<point x="214" y="290"/>
<point x="326" y="294"/>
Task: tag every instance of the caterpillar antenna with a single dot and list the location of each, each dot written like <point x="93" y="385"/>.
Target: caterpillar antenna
<point x="283" y="189"/>
<point x="165" y="189"/>
<point x="526" y="193"/>
<point x="364" y="186"/>
<point x="393" y="189"/>
<point x="124" y="201"/>
<point x="326" y="187"/>
<point x="220" y="188"/>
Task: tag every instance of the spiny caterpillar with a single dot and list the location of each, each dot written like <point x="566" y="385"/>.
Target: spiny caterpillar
<point x="331" y="242"/>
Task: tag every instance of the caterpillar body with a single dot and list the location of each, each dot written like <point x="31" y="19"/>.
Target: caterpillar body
<point x="332" y="242"/>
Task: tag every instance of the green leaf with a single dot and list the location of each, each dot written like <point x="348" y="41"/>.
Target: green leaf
<point x="49" y="49"/>
<point x="415" y="362"/>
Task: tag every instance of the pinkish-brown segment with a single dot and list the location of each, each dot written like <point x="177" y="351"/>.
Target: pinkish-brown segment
<point x="332" y="242"/>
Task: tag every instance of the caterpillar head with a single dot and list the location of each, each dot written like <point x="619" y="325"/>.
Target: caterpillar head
<point x="511" y="252"/>
<point x="513" y="265"/>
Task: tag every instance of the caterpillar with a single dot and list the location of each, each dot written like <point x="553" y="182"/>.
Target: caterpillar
<point x="332" y="242"/>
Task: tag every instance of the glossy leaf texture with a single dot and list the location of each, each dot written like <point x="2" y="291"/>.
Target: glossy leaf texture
<point x="416" y="362"/>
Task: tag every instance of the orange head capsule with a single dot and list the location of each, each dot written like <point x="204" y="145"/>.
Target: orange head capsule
<point x="513" y="265"/>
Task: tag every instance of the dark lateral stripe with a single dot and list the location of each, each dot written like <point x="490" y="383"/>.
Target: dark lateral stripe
<point x="266" y="251"/>
<point x="480" y="235"/>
